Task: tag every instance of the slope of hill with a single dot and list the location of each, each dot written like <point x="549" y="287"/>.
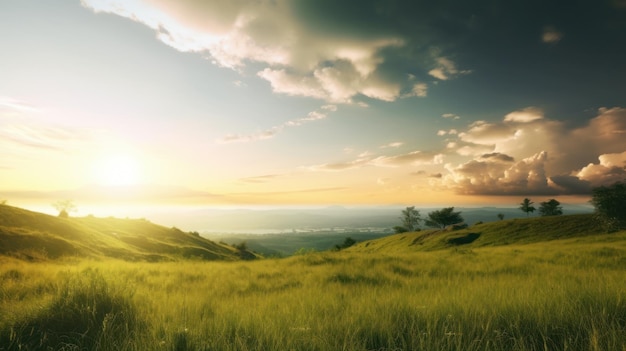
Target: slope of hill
<point x="506" y="232"/>
<point x="31" y="235"/>
<point x="286" y="244"/>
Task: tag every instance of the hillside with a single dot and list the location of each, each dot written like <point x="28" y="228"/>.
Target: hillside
<point x="32" y="236"/>
<point x="286" y="244"/>
<point x="506" y="232"/>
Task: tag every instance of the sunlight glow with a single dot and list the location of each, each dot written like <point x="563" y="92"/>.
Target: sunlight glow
<point x="117" y="170"/>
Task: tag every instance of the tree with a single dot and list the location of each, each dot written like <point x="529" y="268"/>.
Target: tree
<point x="500" y="216"/>
<point x="346" y="244"/>
<point x="410" y="219"/>
<point x="527" y="206"/>
<point x="610" y="205"/>
<point x="550" y="208"/>
<point x="64" y="207"/>
<point x="443" y="218"/>
<point x="242" y="246"/>
<point x="399" y="229"/>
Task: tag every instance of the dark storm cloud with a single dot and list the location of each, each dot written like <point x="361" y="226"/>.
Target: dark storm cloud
<point x="343" y="50"/>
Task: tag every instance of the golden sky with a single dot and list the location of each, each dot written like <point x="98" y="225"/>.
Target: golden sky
<point x="235" y="103"/>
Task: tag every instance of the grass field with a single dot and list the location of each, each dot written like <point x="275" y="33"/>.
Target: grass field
<point x="555" y="295"/>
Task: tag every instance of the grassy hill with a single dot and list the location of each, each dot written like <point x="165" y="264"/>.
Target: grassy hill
<point x="506" y="232"/>
<point x="33" y="236"/>
<point x="533" y="284"/>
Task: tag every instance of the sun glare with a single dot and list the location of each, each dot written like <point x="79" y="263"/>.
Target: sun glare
<point x="118" y="170"/>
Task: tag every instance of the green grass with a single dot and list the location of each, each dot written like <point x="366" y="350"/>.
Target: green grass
<point x="527" y="284"/>
<point x="36" y="237"/>
<point x="506" y="232"/>
<point x="558" y="295"/>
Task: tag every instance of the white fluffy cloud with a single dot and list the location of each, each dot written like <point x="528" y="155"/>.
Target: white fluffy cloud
<point x="526" y="115"/>
<point x="610" y="169"/>
<point x="484" y="133"/>
<point x="554" y="159"/>
<point x="296" y="57"/>
<point x="498" y="174"/>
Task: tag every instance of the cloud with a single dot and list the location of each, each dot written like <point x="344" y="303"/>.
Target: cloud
<point x="619" y="4"/>
<point x="301" y="49"/>
<point x="497" y="174"/>
<point x="496" y="157"/>
<point x="291" y="84"/>
<point x="262" y="135"/>
<point x="484" y="133"/>
<point x="259" y="179"/>
<point x="128" y="194"/>
<point x="269" y="133"/>
<point x="445" y="132"/>
<point x="446" y="69"/>
<point x="580" y="158"/>
<point x="611" y="168"/>
<point x="526" y="115"/>
<point x="10" y="105"/>
<point x="419" y="90"/>
<point x="41" y="137"/>
<point x="341" y="166"/>
<point x="571" y="185"/>
<point x="470" y="149"/>
<point x="383" y="181"/>
<point x="550" y="35"/>
<point x="411" y="158"/>
<point x="367" y="159"/>
<point x="395" y="144"/>
<point x="450" y="116"/>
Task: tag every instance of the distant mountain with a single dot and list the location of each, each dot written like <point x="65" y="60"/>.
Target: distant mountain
<point x="255" y="221"/>
<point x="35" y="236"/>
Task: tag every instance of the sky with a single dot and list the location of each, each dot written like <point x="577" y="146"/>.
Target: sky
<point x="297" y="103"/>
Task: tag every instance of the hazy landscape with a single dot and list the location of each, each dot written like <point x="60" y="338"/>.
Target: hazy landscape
<point x="312" y="175"/>
<point x="541" y="283"/>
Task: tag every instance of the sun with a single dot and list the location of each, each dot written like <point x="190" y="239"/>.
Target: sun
<point x="117" y="170"/>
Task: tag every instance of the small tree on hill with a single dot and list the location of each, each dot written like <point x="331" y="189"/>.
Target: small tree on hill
<point x="610" y="205"/>
<point x="550" y="208"/>
<point x="399" y="229"/>
<point x="500" y="216"/>
<point x="346" y="244"/>
<point x="443" y="218"/>
<point x="527" y="206"/>
<point x="64" y="207"/>
<point x="410" y="220"/>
